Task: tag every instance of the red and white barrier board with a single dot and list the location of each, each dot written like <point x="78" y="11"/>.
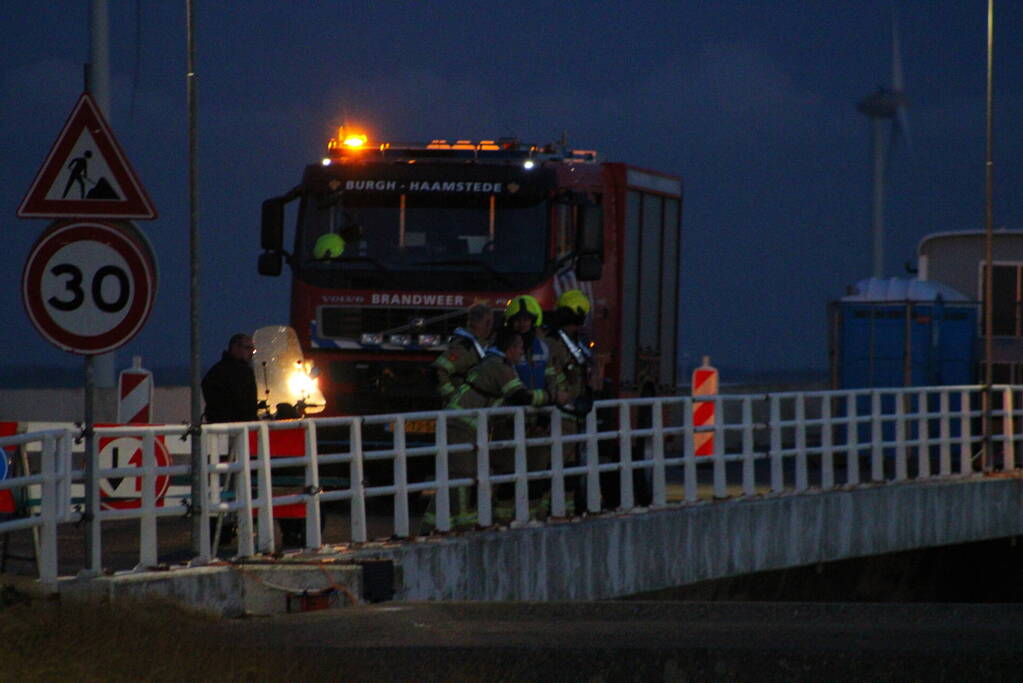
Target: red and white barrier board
<point x="135" y="395"/>
<point x="705" y="384"/>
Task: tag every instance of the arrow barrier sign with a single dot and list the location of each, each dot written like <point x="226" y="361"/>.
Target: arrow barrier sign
<point x="126" y="492"/>
<point x="88" y="286"/>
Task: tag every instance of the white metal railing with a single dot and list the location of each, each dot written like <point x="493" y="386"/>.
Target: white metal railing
<point x="640" y="452"/>
<point x="52" y="475"/>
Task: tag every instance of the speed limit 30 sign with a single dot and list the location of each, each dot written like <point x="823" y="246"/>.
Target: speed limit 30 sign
<point x="89" y="285"/>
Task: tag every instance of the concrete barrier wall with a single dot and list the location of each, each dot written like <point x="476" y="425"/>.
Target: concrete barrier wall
<point x="611" y="557"/>
<point x="171" y="405"/>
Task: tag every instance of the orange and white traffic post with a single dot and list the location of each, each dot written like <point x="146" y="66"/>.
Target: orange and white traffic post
<point x="705" y="389"/>
<point x="135" y="394"/>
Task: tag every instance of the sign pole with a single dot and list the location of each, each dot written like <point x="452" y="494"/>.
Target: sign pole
<point x="198" y="505"/>
<point x="93" y="559"/>
<point x="97" y="84"/>
<point x="98" y="87"/>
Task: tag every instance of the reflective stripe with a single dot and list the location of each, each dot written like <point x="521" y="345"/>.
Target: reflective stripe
<point x="511" y="386"/>
<point x="581" y="355"/>
<point x="463" y="515"/>
<point x="453" y="405"/>
<point x="539" y="397"/>
<point x="445" y="363"/>
<point x="466" y="334"/>
<point x="446" y="389"/>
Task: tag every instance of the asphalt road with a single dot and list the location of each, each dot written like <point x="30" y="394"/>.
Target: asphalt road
<point x="606" y="641"/>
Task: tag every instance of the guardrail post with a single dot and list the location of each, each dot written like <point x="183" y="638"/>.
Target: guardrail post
<point x="312" y="488"/>
<point x="557" y="466"/>
<point x="802" y="478"/>
<point x="243" y="490"/>
<point x="358" y="502"/>
<point x="592" y="463"/>
<point x="660" y="482"/>
<point x="264" y="490"/>
<point x="94" y="562"/>
<point x="63" y="464"/>
<point x="720" y="485"/>
<point x="1008" y="424"/>
<point x="749" y="483"/>
<point x="442" y="496"/>
<point x="876" y="438"/>
<point x="48" y="512"/>
<point x="690" y="481"/>
<point x="401" y="514"/>
<point x="626" y="501"/>
<point x="147" y="521"/>
<point x="827" y="449"/>
<point x="944" y="448"/>
<point x="923" y="461"/>
<point x="966" y="437"/>
<point x="484" y="500"/>
<point x="203" y="505"/>
<point x="521" y="469"/>
<point x="777" y="463"/>
<point x="900" y="436"/>
<point x="852" y="458"/>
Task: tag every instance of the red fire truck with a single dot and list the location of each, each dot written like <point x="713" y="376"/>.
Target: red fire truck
<point x="425" y="231"/>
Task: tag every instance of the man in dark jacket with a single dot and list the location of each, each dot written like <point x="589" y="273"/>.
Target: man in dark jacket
<point x="229" y="388"/>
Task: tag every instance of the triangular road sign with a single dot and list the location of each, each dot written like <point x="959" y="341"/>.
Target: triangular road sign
<point x="86" y="174"/>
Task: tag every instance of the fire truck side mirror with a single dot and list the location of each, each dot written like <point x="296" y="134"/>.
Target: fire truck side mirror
<point x="589" y="246"/>
<point x="590" y="230"/>
<point x="271" y="236"/>
<point x="589" y="267"/>
<point x="270" y="263"/>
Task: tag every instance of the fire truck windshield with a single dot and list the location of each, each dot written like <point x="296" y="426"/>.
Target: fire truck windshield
<point x="500" y="240"/>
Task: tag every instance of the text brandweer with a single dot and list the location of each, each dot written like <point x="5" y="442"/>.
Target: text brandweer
<point x="418" y="299"/>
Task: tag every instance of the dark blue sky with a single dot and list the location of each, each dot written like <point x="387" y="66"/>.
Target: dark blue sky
<point x="752" y="103"/>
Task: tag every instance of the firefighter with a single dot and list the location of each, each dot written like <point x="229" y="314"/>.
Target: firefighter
<point x="492" y="383"/>
<point x="572" y="366"/>
<point x="466" y="349"/>
<point x="524" y="316"/>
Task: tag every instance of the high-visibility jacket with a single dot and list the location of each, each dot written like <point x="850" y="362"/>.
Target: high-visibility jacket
<point x="534" y="368"/>
<point x="451" y="367"/>
<point x="492" y="383"/>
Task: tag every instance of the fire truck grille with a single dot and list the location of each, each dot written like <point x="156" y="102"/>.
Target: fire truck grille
<point x="384" y="387"/>
<point x="350" y="323"/>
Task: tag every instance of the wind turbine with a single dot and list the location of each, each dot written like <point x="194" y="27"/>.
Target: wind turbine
<point x="881" y="107"/>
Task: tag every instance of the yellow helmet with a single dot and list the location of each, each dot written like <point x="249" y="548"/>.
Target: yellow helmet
<point x="524" y="304"/>
<point x="328" y="246"/>
<point x="575" y="301"/>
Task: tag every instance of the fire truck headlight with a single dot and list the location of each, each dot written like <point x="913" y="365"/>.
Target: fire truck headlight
<point x="325" y="162"/>
<point x="372" y="338"/>
<point x="429" y="339"/>
<point x="302" y="385"/>
<point x="400" y="339"/>
<point x="529" y="164"/>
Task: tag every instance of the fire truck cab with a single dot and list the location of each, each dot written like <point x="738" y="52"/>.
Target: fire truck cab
<point x="394" y="242"/>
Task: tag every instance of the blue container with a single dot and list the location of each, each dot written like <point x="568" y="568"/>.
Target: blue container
<point x="904" y="343"/>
